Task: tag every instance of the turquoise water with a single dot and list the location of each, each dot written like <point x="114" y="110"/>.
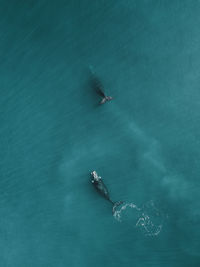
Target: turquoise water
<point x="145" y="143"/>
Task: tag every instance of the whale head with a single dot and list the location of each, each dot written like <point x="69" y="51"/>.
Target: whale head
<point x="95" y="177"/>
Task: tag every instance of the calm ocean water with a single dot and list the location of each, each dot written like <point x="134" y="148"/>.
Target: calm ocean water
<point x="145" y="143"/>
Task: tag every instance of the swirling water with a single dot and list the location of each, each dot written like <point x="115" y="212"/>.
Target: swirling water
<point x="147" y="218"/>
<point x="145" y="143"/>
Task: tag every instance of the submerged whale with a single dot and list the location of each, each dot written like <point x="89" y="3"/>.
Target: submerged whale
<point x="101" y="188"/>
<point x="98" y="87"/>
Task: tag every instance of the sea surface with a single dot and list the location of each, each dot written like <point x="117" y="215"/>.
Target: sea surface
<point x="145" y="143"/>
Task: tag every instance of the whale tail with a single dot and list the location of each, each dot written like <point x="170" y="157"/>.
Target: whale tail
<point x="105" y="98"/>
<point x="115" y="205"/>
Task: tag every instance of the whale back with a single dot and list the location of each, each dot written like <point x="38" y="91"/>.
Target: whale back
<point x="102" y="189"/>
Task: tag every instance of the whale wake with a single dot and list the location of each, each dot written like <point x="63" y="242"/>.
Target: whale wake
<point x="146" y="218"/>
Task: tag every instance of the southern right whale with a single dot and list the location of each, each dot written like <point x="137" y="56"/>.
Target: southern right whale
<point x="99" y="88"/>
<point x="102" y="189"/>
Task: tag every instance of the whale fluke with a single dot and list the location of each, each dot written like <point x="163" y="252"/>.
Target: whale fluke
<point x="106" y="98"/>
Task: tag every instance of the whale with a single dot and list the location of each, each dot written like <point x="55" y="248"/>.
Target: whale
<point x="98" y="87"/>
<point x="102" y="189"/>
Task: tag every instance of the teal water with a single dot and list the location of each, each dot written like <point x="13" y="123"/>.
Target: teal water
<point x="145" y="143"/>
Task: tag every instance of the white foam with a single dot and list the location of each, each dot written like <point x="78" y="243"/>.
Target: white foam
<point x="149" y="219"/>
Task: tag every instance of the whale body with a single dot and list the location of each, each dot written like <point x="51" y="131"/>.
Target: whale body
<point x="99" y="88"/>
<point x="102" y="189"/>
